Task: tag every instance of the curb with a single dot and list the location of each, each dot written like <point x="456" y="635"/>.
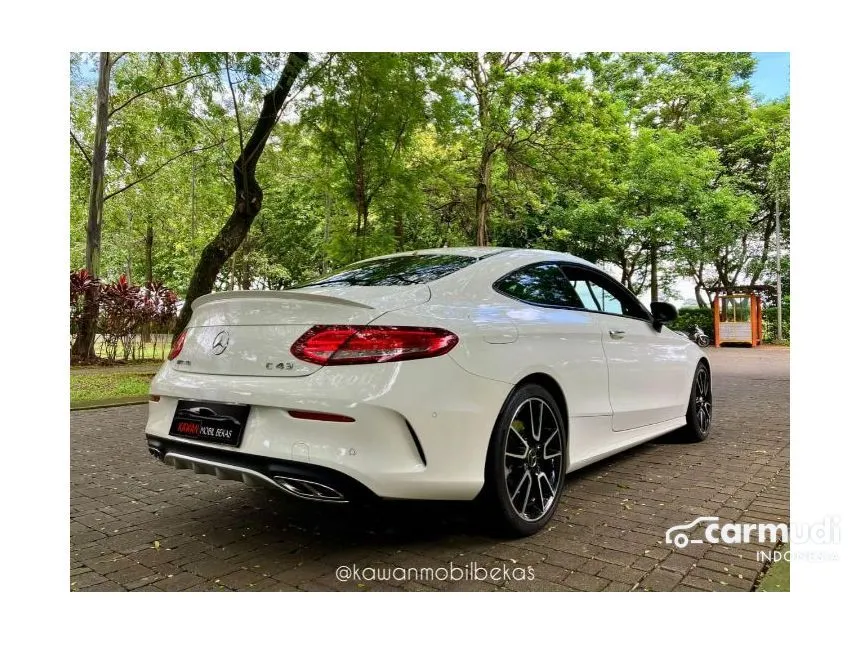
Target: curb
<point x="108" y="403"/>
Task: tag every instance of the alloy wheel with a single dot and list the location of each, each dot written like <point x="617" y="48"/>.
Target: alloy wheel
<point x="703" y="400"/>
<point x="533" y="459"/>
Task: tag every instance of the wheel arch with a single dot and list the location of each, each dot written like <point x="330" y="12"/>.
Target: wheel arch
<point x="550" y="385"/>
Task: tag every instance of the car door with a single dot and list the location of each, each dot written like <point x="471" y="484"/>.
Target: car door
<point x="556" y="334"/>
<point x="647" y="368"/>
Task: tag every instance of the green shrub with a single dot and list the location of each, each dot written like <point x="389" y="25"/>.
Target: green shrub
<point x="704" y="318"/>
<point x="688" y="317"/>
<point x="768" y="330"/>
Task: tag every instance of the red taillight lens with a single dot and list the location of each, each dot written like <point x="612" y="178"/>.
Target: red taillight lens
<point x="310" y="415"/>
<point x="354" y="345"/>
<point x="177" y="346"/>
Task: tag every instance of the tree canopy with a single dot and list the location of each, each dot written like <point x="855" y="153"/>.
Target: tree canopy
<point x="661" y="165"/>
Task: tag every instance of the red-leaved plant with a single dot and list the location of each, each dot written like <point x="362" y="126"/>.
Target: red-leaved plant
<point x="128" y="314"/>
<point x="122" y="312"/>
<point x="79" y="283"/>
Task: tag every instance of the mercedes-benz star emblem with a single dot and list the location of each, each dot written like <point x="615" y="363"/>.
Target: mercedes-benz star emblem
<point x="220" y="343"/>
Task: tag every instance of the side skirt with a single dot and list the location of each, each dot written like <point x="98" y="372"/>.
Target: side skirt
<point x="589" y="444"/>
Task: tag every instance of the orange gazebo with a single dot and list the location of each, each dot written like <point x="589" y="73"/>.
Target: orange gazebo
<point x="738" y="316"/>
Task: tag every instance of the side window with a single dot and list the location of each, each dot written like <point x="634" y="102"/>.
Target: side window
<point x="606" y="301"/>
<point x="602" y="295"/>
<point x="583" y="290"/>
<point x="541" y="284"/>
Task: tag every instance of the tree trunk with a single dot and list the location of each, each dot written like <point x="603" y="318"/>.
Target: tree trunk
<point x="398" y="229"/>
<point x="769" y="227"/>
<point x="148" y="241"/>
<point x="700" y="300"/>
<point x="130" y="237"/>
<point x="655" y="295"/>
<point x="249" y="194"/>
<point x="482" y="195"/>
<point x="86" y="336"/>
<point x="362" y="206"/>
<point x="625" y="275"/>
<point x="485" y="167"/>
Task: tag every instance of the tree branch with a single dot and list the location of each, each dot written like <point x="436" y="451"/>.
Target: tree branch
<point x="271" y="111"/>
<point x="116" y="60"/>
<point x="155" y="89"/>
<point x="235" y="103"/>
<point x="510" y="59"/>
<point x="154" y="172"/>
<point x="81" y="148"/>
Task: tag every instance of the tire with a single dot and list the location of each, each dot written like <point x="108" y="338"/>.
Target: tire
<point x="703" y="341"/>
<point x="526" y="462"/>
<point x="700" y="406"/>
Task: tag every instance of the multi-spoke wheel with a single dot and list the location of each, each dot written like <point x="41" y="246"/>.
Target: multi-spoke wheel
<point x="526" y="461"/>
<point x="700" y="407"/>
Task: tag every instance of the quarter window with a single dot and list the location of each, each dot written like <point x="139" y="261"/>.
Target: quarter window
<point x="541" y="284"/>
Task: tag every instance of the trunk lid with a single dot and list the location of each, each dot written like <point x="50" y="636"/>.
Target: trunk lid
<point x="249" y="333"/>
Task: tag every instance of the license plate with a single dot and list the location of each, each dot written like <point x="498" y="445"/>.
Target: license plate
<point x="210" y="422"/>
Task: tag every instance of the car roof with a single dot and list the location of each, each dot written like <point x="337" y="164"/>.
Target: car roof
<point x="469" y="251"/>
<point x="481" y="252"/>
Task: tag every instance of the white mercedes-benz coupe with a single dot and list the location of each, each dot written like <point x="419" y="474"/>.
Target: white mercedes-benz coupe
<point x="446" y="374"/>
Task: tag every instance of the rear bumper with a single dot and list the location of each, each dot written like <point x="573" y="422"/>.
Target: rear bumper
<point x="306" y="481"/>
<point x="421" y="428"/>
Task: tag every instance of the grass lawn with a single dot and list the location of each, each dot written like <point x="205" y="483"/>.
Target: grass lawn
<point x="157" y="349"/>
<point x="111" y="385"/>
<point x="777" y="578"/>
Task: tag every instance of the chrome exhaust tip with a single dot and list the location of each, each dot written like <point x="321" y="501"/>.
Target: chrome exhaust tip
<point x="155" y="452"/>
<point x="307" y="489"/>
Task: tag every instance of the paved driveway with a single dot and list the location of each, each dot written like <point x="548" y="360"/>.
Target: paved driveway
<point x="139" y="525"/>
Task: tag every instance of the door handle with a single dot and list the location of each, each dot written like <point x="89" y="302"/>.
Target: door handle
<point x="616" y="334"/>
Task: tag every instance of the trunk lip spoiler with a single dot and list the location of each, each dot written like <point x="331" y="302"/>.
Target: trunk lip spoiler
<point x="276" y="295"/>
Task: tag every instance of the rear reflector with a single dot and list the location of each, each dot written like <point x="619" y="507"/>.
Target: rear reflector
<point x="177" y="346"/>
<point x="320" y="416"/>
<point x="360" y="344"/>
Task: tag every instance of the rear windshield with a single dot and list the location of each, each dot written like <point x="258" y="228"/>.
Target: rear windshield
<point x="401" y="270"/>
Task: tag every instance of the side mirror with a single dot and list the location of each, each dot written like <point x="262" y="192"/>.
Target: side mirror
<point x="663" y="313"/>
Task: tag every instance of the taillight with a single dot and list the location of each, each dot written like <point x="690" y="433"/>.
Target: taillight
<point x="310" y="415"/>
<point x="354" y="344"/>
<point x="177" y="346"/>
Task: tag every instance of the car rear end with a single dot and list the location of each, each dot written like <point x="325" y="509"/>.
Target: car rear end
<point x="309" y="391"/>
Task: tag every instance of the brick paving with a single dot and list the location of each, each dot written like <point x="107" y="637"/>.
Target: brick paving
<point x="137" y="525"/>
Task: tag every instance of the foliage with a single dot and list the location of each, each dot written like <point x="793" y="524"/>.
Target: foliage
<point x="689" y="317"/>
<point x="128" y="313"/>
<point x="80" y="282"/>
<point x="612" y="157"/>
<point x="769" y="320"/>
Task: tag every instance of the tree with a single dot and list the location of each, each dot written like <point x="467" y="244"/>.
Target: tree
<point x="132" y="84"/>
<point x="676" y="89"/>
<point x="364" y="112"/>
<point x="516" y="101"/>
<point x="86" y="333"/>
<point x="248" y="193"/>
<point x="708" y="91"/>
<point x="755" y="156"/>
<point x="609" y="157"/>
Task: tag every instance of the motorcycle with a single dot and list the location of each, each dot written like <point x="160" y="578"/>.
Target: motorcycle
<point x="699" y="337"/>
